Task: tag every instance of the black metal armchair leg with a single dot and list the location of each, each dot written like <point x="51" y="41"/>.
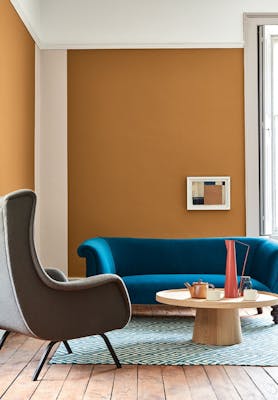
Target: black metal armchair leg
<point x="259" y="310"/>
<point x="67" y="346"/>
<point x="42" y="360"/>
<point x="3" y="338"/>
<point x="112" y="352"/>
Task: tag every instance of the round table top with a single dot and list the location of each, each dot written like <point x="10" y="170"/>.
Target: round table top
<point x="181" y="297"/>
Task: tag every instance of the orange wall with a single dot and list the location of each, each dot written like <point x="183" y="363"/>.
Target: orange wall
<point x="139" y="122"/>
<point x="17" y="80"/>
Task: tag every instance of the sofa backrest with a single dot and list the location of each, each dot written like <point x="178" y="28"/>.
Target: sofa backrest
<point x="134" y="256"/>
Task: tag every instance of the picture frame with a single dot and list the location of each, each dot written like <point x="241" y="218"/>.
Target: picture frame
<point x="208" y="193"/>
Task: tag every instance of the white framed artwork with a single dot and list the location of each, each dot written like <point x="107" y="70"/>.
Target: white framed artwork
<point x="208" y="193"/>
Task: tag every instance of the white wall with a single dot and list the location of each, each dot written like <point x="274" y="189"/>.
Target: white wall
<point x="144" y="23"/>
<point x="51" y="181"/>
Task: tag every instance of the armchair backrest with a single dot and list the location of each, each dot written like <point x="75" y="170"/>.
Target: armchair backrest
<point x="19" y="266"/>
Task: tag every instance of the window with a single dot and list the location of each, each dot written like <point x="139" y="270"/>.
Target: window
<point x="260" y="96"/>
<point x="268" y="128"/>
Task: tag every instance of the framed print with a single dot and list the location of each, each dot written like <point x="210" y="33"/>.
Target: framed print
<point x="208" y="193"/>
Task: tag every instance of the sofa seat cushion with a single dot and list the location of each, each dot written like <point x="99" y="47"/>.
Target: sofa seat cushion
<point x="142" y="288"/>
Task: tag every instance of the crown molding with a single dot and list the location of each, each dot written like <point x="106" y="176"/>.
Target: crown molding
<point x="44" y="45"/>
<point x="252" y="17"/>
<point x="260" y="15"/>
<point x="20" y="11"/>
<point x="136" y="45"/>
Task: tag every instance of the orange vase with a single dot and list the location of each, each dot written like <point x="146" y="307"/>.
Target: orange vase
<point x="231" y="289"/>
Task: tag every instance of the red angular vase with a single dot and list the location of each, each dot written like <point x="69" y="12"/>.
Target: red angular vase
<point x="231" y="286"/>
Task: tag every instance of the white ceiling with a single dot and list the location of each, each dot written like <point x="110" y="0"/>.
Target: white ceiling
<point x="65" y="24"/>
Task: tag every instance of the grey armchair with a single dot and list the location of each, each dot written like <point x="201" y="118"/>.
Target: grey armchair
<point x="43" y="303"/>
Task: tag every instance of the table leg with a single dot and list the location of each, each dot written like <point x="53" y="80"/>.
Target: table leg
<point x="220" y="327"/>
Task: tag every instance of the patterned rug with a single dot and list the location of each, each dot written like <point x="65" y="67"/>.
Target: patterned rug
<point x="167" y="341"/>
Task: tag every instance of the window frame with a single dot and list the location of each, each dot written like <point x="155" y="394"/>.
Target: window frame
<point x="251" y="22"/>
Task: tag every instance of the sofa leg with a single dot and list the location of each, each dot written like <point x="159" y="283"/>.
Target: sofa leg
<point x="260" y="310"/>
<point x="274" y="313"/>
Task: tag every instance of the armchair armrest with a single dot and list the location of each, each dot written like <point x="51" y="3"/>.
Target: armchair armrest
<point x="79" y="308"/>
<point x="85" y="283"/>
<point x="56" y="274"/>
<point x="99" y="258"/>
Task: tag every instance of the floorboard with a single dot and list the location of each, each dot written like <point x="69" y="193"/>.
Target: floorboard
<point x="15" y="342"/>
<point x="199" y="383"/>
<point x="101" y="383"/>
<point x="263" y="381"/>
<point x="15" y="365"/>
<point x="76" y="383"/>
<point x="273" y="372"/>
<point x="20" y="355"/>
<point x="243" y="383"/>
<point x="150" y="382"/>
<point x="125" y="383"/>
<point x="176" y="386"/>
<point x="221" y="383"/>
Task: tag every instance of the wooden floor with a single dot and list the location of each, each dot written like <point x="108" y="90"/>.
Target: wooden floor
<point x="20" y="355"/>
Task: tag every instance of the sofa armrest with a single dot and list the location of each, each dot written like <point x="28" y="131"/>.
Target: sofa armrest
<point x="265" y="264"/>
<point x="99" y="258"/>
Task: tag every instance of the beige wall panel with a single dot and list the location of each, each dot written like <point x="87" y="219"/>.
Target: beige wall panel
<point x="139" y="122"/>
<point x="16" y="102"/>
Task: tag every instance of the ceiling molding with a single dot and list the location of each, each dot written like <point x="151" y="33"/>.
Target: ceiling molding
<point x="260" y="15"/>
<point x="92" y="46"/>
<point x="20" y="11"/>
<point x="31" y="17"/>
<point x="45" y="45"/>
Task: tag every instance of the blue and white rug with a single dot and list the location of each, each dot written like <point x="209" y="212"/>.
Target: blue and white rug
<point x="168" y="341"/>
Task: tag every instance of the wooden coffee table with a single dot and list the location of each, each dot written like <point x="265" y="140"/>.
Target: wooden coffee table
<point x="216" y="322"/>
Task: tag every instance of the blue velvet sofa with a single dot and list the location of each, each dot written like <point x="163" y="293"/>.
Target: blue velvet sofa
<point x="151" y="265"/>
